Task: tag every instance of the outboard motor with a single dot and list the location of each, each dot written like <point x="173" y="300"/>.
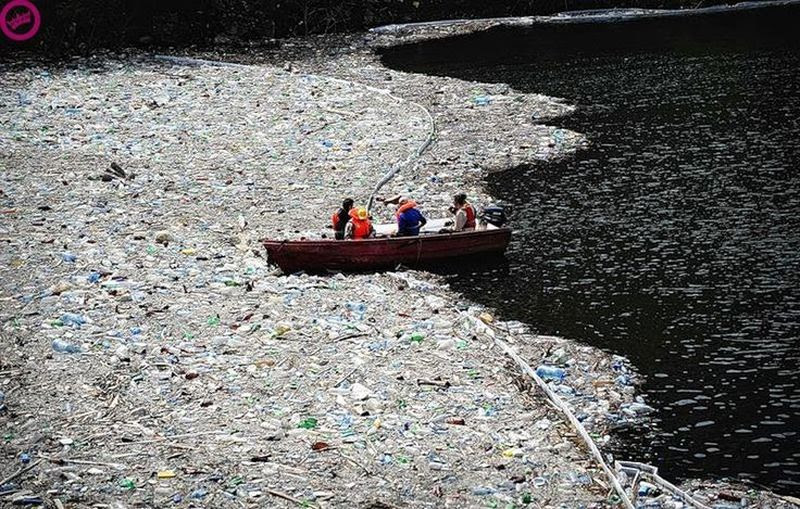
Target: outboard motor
<point x="496" y="214"/>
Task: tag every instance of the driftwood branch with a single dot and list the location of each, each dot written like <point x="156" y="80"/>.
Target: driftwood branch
<point x="20" y="472"/>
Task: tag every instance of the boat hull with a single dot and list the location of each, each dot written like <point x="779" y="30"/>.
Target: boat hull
<point x="384" y="253"/>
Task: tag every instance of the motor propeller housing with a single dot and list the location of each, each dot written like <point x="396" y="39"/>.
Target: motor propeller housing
<point x="496" y="214"/>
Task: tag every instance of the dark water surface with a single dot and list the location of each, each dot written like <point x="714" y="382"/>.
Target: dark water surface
<point x="675" y="238"/>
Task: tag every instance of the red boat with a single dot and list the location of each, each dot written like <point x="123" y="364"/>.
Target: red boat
<point x="384" y="252"/>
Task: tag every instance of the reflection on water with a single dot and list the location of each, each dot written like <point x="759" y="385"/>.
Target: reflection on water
<point x="674" y="238"/>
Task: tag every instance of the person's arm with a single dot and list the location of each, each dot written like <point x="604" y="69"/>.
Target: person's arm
<point x="422" y="220"/>
<point x="401" y="224"/>
<point x="348" y="230"/>
<point x="461" y="220"/>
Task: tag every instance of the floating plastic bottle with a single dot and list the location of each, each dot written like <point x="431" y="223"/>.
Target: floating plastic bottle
<point x="309" y="423"/>
<point x="198" y="493"/>
<point x="482" y="491"/>
<point x="72" y="319"/>
<point x="357" y="309"/>
<point x="127" y="484"/>
<point x="62" y="346"/>
<point x="646" y="489"/>
<point x="550" y="373"/>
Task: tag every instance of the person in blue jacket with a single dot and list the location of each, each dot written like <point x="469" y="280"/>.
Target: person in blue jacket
<point x="409" y="219"/>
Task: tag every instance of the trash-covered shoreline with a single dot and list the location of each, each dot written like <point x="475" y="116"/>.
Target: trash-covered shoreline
<point x="150" y="356"/>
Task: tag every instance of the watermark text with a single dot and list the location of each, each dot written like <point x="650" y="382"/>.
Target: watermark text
<point x="20" y="20"/>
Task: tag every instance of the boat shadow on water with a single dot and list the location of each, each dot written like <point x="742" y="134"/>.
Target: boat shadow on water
<point x="495" y="263"/>
<point x="467" y="266"/>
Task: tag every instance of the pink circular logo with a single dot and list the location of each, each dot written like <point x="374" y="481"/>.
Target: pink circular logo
<point x="20" y="20"/>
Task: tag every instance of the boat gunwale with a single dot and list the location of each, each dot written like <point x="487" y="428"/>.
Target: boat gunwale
<point x="387" y="239"/>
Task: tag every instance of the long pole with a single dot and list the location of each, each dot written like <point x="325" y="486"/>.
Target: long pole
<point x="410" y="160"/>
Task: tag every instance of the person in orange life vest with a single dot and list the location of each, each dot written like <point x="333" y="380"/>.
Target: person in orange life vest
<point x="340" y="218"/>
<point x="409" y="219"/>
<point x="359" y="226"/>
<point x="464" y="212"/>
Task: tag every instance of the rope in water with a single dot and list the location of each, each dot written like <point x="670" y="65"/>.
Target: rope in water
<point x="643" y="469"/>
<point x="559" y="404"/>
<point x="395" y="168"/>
<point x="640" y="468"/>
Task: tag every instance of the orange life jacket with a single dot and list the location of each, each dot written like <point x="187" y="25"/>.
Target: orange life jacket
<point x="470" y="216"/>
<point x="407" y="205"/>
<point x="361" y="227"/>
